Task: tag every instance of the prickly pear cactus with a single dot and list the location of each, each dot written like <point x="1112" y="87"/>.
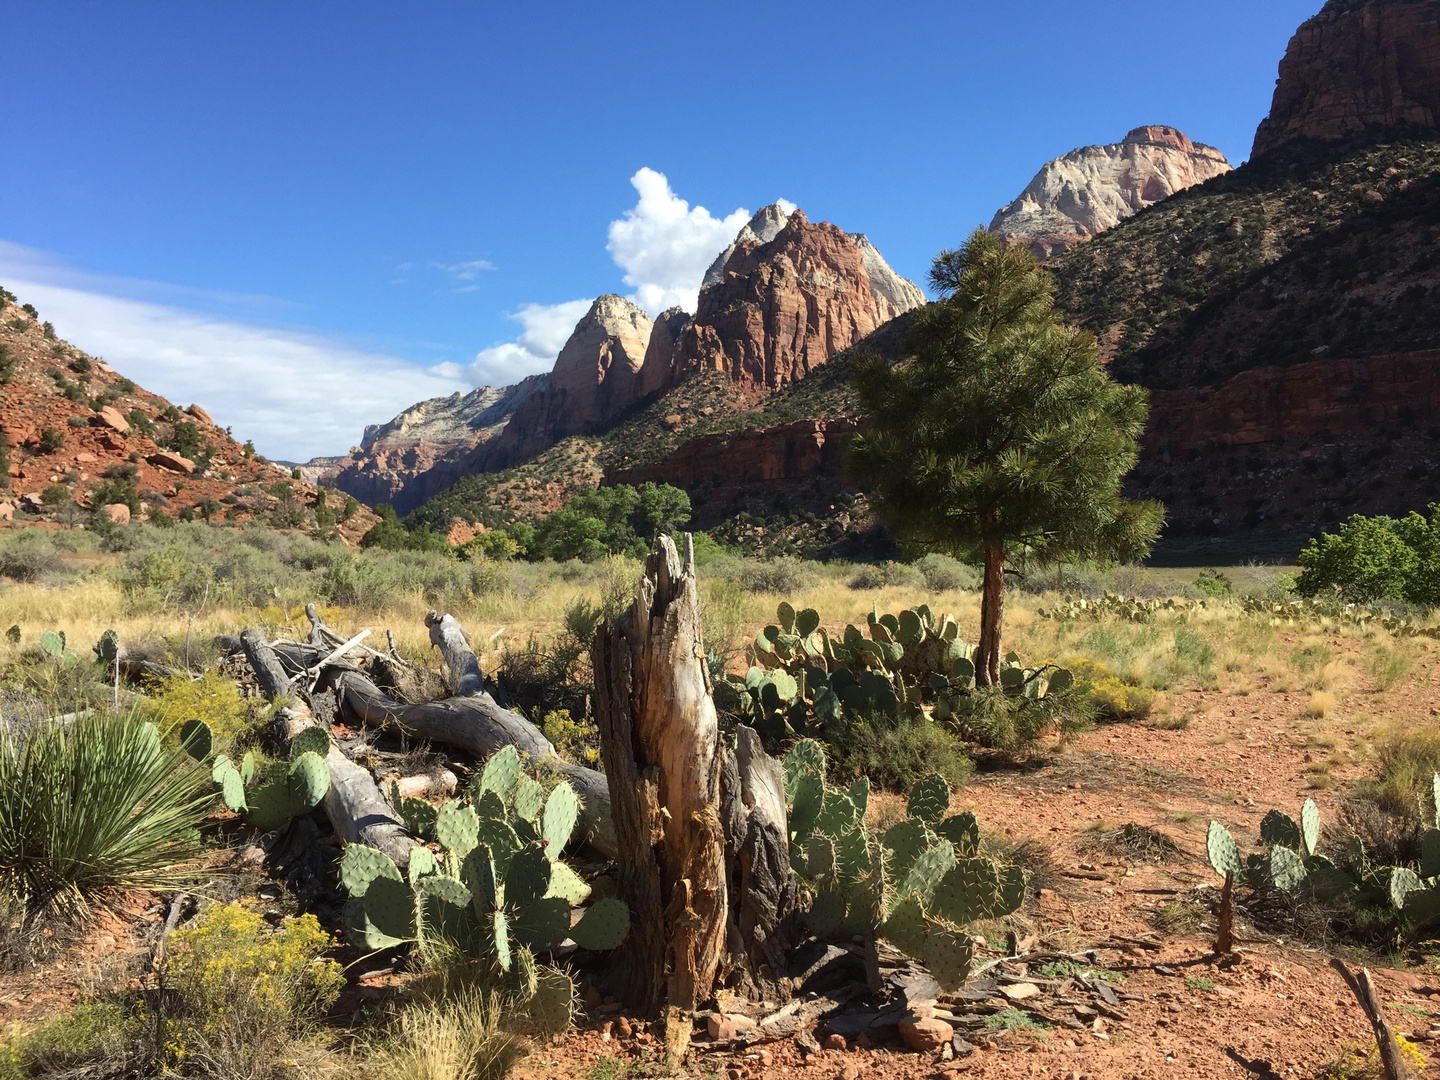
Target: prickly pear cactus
<point x="498" y="888"/>
<point x="287" y="792"/>
<point x="916" y="886"/>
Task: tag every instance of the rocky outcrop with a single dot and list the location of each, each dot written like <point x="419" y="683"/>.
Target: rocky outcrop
<point x="1357" y="66"/>
<point x="596" y="377"/>
<point x="794" y="451"/>
<point x="1090" y="189"/>
<point x="780" y="308"/>
<point x="426" y="448"/>
<point x="655" y="374"/>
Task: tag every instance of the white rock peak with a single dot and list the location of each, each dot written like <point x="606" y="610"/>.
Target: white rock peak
<point x="1090" y="189"/>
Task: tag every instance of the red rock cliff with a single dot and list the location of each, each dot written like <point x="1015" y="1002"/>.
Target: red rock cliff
<point x="783" y="307"/>
<point x="1357" y="65"/>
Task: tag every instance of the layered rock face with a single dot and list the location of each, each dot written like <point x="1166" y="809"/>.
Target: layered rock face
<point x="596" y="377"/>
<point x="426" y="448"/>
<point x="781" y="307"/>
<point x="1357" y="65"/>
<point x="1090" y="189"/>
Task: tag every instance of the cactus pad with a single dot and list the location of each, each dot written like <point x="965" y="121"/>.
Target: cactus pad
<point x="806" y="756"/>
<point x="926" y="872"/>
<point x="529" y="799"/>
<point x="525" y="974"/>
<point x="807" y="622"/>
<point x="1402" y="882"/>
<point x="499" y="927"/>
<point x="488" y="805"/>
<point x="905" y="926"/>
<point x="807" y="803"/>
<point x="390" y="907"/>
<point x="859" y="794"/>
<point x="541" y="923"/>
<point x="502" y="773"/>
<point x="1279" y="827"/>
<point x="500" y="838"/>
<point x="1224" y="855"/>
<point x="565" y="882"/>
<point x="1011" y="894"/>
<point x="948" y="953"/>
<point x="905" y="842"/>
<point x="968" y="892"/>
<point x="478" y="875"/>
<point x="1310" y="826"/>
<point x="422" y="864"/>
<point x="819" y="857"/>
<point x="361" y="865"/>
<point x="963" y="831"/>
<point x="603" y="926"/>
<point x="852" y="856"/>
<point x="553" y="1005"/>
<point x="1430" y="853"/>
<point x="929" y="799"/>
<point x="457" y="827"/>
<point x="1285" y="869"/>
<point x="196" y="738"/>
<point x="557" y="821"/>
<point x="314" y="740"/>
<point x="528" y="877"/>
<point x="52" y="643"/>
<point x="233" y="789"/>
<point x="361" y="931"/>
<point x="837" y="814"/>
<point x="419" y="816"/>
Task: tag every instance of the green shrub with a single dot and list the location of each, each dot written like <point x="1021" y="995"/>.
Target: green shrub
<point x="782" y="575"/>
<point x="890" y="574"/>
<point x="55" y="495"/>
<point x="51" y="439"/>
<point x="895" y="756"/>
<point x="95" y="805"/>
<point x="1214" y="584"/>
<point x="212" y="698"/>
<point x="28" y="555"/>
<point x="944" y="574"/>
<point x="1108" y="695"/>
<point x="1376" y="558"/>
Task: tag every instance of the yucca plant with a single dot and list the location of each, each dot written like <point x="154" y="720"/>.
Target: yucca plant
<point x="94" y="804"/>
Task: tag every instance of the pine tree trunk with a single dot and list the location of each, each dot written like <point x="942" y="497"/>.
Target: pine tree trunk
<point x="660" y="738"/>
<point x="992" y="607"/>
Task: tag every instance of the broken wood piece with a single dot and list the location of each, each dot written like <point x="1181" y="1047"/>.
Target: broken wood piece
<point x="1364" y="990"/>
<point x="441" y="782"/>
<point x="464" y="675"/>
<point x="358" y="812"/>
<point x="1225" y="935"/>
<point x="313" y="672"/>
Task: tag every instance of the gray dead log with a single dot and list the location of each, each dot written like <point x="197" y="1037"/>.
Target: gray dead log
<point x="471" y="721"/>
<point x="660" y="739"/>
<point x="357" y="810"/>
<point x="464" y="670"/>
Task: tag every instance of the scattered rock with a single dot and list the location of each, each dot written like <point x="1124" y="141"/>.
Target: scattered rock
<point x="166" y="459"/>
<point x="766" y="1059"/>
<point x="721" y="1028"/>
<point x="7" y="511"/>
<point x="1020" y="991"/>
<point x="834" y="1042"/>
<point x="200" y="414"/>
<point x="850" y="1072"/>
<point x="110" y="417"/>
<point x="623" y="1027"/>
<point x="925" y="1035"/>
<point x="118" y="513"/>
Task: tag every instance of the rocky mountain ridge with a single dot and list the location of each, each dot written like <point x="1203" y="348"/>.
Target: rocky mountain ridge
<point x="73" y="425"/>
<point x="1094" y="188"/>
<point x="1357" y="66"/>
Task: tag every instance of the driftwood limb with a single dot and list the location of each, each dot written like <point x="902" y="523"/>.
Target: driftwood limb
<point x="357" y="810"/>
<point x="313" y="672"/>
<point x="661" y="742"/>
<point x="465" y="677"/>
<point x="474" y="722"/>
<point x="1364" y="990"/>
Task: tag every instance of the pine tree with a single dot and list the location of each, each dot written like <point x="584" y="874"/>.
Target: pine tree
<point x="999" y="436"/>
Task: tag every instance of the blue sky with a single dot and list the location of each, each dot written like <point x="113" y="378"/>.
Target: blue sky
<point x="387" y="202"/>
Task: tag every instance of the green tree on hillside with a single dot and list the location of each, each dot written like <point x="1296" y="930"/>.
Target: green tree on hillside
<point x="1376" y="558"/>
<point x="1000" y="437"/>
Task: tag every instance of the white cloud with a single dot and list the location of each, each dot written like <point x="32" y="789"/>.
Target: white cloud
<point x="547" y="328"/>
<point x="664" y="246"/>
<point x="466" y="273"/>
<point x="297" y="395"/>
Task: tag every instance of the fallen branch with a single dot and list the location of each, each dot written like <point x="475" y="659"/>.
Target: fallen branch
<point x="1364" y="991"/>
<point x="357" y="810"/>
<point x="313" y="673"/>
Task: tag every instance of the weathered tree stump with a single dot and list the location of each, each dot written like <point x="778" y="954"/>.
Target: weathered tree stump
<point x="693" y="820"/>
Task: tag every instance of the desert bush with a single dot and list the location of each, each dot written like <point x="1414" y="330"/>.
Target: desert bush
<point x="212" y="698"/>
<point x="886" y="575"/>
<point x="94" y="805"/>
<point x="895" y="755"/>
<point x="1385" y="666"/>
<point x="782" y="575"/>
<point x="944" y="574"/>
<point x="1112" y="698"/>
<point x="1014" y="723"/>
<point x="170" y="576"/>
<point x="29" y="555"/>
<point x="1406" y="760"/>
<point x="1214" y="584"/>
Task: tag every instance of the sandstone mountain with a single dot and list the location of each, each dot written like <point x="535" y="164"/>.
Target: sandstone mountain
<point x="73" y="424"/>
<point x="777" y="303"/>
<point x="1357" y="66"/>
<point x="1095" y="187"/>
<point x="789" y="295"/>
<point x="426" y="448"/>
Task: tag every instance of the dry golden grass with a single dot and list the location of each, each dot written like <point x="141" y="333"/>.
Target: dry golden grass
<point x="1320" y="705"/>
